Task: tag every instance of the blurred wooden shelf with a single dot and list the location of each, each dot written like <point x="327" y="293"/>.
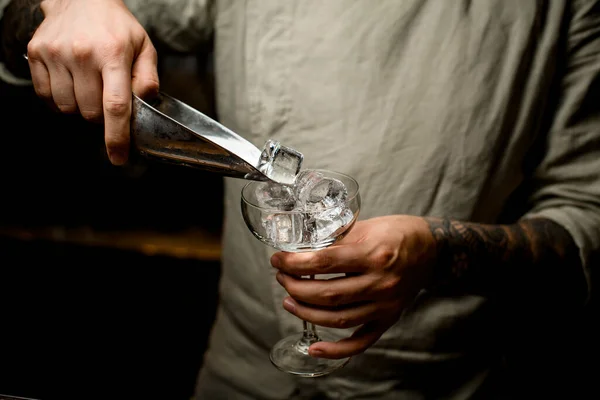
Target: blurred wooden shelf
<point x="192" y="243"/>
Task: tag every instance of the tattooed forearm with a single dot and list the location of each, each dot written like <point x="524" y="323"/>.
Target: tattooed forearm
<point x="19" y="22"/>
<point x="483" y="252"/>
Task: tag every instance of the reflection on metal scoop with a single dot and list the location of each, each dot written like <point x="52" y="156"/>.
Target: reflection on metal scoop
<point x="169" y="130"/>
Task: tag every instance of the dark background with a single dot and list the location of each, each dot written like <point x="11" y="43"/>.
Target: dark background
<point x="81" y="319"/>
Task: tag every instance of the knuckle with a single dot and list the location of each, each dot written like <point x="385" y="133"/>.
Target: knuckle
<point x="54" y="50"/>
<point x="342" y="322"/>
<point x="116" y="106"/>
<point x="320" y="263"/>
<point x="332" y="298"/>
<point x="115" y="47"/>
<point x="383" y="256"/>
<point x="34" y="48"/>
<point x="389" y="286"/>
<point x="82" y="50"/>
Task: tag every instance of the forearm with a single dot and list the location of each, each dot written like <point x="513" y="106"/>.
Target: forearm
<point x="19" y="22"/>
<point x="485" y="254"/>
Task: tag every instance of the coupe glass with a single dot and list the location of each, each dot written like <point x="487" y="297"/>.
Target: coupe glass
<point x="291" y="353"/>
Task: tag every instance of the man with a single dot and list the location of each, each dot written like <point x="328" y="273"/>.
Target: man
<point x="473" y="129"/>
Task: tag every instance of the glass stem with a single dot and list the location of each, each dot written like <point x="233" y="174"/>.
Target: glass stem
<point x="309" y="334"/>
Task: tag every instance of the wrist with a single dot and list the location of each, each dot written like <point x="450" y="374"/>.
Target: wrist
<point x="443" y="265"/>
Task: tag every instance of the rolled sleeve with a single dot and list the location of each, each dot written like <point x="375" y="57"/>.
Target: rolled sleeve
<point x="5" y="75"/>
<point x="567" y="181"/>
<point x="183" y="25"/>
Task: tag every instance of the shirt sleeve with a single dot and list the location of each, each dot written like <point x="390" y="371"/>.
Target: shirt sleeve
<point x="183" y="25"/>
<point x="5" y="75"/>
<point x="567" y="181"/>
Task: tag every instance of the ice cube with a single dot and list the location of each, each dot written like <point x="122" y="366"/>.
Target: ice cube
<point x="280" y="163"/>
<point x="275" y="196"/>
<point x="284" y="228"/>
<point x="320" y="193"/>
<point x="304" y="183"/>
<point x="306" y="179"/>
<point x="330" y="221"/>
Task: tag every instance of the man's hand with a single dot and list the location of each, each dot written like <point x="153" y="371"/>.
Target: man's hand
<point x="88" y="57"/>
<point x="387" y="260"/>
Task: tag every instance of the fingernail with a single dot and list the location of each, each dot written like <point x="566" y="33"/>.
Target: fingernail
<point x="275" y="261"/>
<point x="117" y="157"/>
<point x="315" y="352"/>
<point x="289" y="305"/>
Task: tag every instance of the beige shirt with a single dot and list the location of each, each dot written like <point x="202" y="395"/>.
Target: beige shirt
<point x="438" y="108"/>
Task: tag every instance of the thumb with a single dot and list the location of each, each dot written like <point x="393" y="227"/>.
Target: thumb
<point x="144" y="72"/>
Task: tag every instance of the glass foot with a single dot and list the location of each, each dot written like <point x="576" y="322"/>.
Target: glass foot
<point x="291" y="355"/>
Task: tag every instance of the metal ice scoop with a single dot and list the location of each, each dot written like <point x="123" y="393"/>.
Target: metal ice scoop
<point x="169" y="130"/>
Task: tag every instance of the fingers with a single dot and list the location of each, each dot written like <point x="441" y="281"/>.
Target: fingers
<point x="117" y="99"/>
<point x="335" y="292"/>
<point x="79" y="93"/>
<point x="87" y="57"/>
<point x="119" y="82"/>
<point x="342" y="318"/>
<point x="363" y="338"/>
<point x="335" y="259"/>
<point x="62" y="88"/>
<point x="40" y="78"/>
<point x="87" y="84"/>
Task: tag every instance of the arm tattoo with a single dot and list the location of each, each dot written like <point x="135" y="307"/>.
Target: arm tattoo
<point x="20" y="20"/>
<point x="485" y="253"/>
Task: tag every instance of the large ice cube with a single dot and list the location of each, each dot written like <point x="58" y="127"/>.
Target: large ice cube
<point x="275" y="196"/>
<point x="316" y="192"/>
<point x="304" y="183"/>
<point x="306" y="179"/>
<point x="286" y="228"/>
<point x="328" y="222"/>
<point x="280" y="163"/>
